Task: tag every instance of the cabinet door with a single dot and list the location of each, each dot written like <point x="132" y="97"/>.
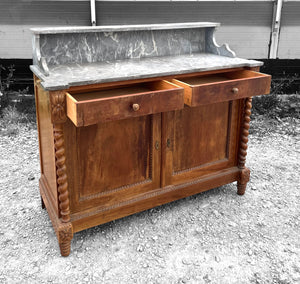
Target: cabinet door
<point x="114" y="162"/>
<point x="199" y="141"/>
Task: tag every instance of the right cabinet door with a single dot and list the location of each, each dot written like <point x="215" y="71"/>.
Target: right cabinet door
<point x="200" y="141"/>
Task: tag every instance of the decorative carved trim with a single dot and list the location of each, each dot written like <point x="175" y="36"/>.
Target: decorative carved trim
<point x="244" y="133"/>
<point x="37" y="57"/>
<point x="108" y="192"/>
<point x="211" y="45"/>
<point x="64" y="231"/>
<point x="244" y="172"/>
<point x="65" y="235"/>
<point x="61" y="172"/>
<point x="243" y="180"/>
<point x="244" y="176"/>
<point x="160" y="191"/>
<point x="58" y="106"/>
<point x="58" y="117"/>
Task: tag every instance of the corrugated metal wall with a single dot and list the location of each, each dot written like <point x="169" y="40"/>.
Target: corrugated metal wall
<point x="17" y="17"/>
<point x="246" y="26"/>
<point x="289" y="43"/>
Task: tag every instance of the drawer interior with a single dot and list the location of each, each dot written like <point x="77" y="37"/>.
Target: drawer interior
<point x="120" y="102"/>
<point x="221" y="87"/>
<point x="199" y="80"/>
<point x="125" y="90"/>
<point x="217" y="78"/>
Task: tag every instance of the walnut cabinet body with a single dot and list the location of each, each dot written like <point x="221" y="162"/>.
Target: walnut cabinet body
<point x="113" y="149"/>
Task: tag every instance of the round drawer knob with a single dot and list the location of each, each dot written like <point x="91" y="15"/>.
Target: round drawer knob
<point x="235" y="90"/>
<point x="135" y="107"/>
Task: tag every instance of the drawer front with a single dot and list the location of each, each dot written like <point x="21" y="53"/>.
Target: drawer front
<point x="229" y="86"/>
<point x="122" y="103"/>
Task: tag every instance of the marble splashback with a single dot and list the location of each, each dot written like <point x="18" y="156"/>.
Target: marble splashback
<point x="81" y="45"/>
<point x="211" y="45"/>
<point x="72" y="56"/>
<point x="111" y="46"/>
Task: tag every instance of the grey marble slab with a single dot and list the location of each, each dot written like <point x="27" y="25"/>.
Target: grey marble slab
<point x="116" y="28"/>
<point x="65" y="76"/>
<point x="62" y="46"/>
<point x="109" y="46"/>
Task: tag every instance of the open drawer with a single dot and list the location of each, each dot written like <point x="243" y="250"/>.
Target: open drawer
<point x="227" y="86"/>
<point x="123" y="102"/>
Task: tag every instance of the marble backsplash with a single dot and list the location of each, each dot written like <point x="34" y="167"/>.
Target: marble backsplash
<point x="73" y="56"/>
<point x="68" y="48"/>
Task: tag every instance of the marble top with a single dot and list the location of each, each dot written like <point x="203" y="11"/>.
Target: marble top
<point x="65" y="76"/>
<point x="118" y="28"/>
<point x="73" y="56"/>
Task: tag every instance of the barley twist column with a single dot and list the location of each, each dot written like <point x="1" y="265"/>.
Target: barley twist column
<point x="61" y="172"/>
<point x="244" y="172"/>
<point x="58" y="117"/>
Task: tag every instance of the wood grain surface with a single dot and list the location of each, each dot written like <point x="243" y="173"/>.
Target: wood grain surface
<point x="124" y="148"/>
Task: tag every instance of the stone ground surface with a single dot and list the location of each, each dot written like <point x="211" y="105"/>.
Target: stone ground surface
<point x="212" y="237"/>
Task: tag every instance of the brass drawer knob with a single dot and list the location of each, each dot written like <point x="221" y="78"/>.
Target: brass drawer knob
<point x="135" y="107"/>
<point x="235" y="90"/>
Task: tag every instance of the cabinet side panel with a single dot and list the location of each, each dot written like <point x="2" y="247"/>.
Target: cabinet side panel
<point x="46" y="141"/>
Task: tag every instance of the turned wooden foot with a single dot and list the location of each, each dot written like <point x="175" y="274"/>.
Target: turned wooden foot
<point x="241" y="188"/>
<point x="243" y="180"/>
<point x="65" y="235"/>
<point x="65" y="248"/>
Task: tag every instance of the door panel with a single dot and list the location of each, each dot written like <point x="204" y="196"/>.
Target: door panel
<point x="202" y="140"/>
<point x="196" y="145"/>
<point x="117" y="161"/>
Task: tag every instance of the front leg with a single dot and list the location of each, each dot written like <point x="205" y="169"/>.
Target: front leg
<point x="65" y="235"/>
<point x="58" y="118"/>
<point x="243" y="180"/>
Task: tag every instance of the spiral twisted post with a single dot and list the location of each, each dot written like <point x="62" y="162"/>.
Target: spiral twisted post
<point x="244" y="172"/>
<point x="64" y="228"/>
<point x="58" y="118"/>
<point x="61" y="172"/>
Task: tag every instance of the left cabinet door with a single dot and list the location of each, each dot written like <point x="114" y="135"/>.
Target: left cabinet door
<point x="113" y="162"/>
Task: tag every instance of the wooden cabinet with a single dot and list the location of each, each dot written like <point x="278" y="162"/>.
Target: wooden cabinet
<point x="132" y="117"/>
<point x="122" y="148"/>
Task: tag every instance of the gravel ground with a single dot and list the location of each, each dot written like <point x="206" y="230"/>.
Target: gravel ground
<point x="212" y="237"/>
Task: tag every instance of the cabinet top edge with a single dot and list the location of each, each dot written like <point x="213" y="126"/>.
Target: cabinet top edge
<point x="115" y="28"/>
<point x="66" y="76"/>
